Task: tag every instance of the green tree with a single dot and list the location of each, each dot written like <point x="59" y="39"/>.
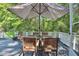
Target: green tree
<point x="11" y="23"/>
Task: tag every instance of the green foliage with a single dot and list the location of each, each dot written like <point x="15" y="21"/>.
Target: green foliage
<point x="10" y="34"/>
<point x="11" y="23"/>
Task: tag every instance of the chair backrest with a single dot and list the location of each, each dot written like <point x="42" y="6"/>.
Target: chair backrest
<point x="35" y="33"/>
<point x="29" y="40"/>
<point x="44" y="33"/>
<point x="51" y="41"/>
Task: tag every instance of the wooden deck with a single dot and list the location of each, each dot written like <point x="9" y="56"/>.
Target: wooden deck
<point x="13" y="48"/>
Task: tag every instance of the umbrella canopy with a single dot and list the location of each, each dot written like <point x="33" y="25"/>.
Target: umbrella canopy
<point x="29" y="10"/>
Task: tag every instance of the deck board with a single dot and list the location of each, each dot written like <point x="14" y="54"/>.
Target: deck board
<point x="9" y="47"/>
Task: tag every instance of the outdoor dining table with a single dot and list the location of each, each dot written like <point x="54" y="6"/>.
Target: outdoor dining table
<point x="40" y="38"/>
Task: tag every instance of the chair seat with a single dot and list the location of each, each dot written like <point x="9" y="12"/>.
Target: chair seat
<point x="47" y="50"/>
<point x="28" y="49"/>
<point x="32" y="47"/>
<point x="50" y="47"/>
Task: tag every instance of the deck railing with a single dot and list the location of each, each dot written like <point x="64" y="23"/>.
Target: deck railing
<point x="69" y="51"/>
<point x="76" y="42"/>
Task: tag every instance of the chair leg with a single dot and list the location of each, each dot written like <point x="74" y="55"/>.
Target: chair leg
<point x="23" y="54"/>
<point x="50" y="54"/>
<point x="56" y="53"/>
<point x="20" y="53"/>
<point x="34" y="54"/>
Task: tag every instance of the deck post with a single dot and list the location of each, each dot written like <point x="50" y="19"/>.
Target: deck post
<point x="71" y="21"/>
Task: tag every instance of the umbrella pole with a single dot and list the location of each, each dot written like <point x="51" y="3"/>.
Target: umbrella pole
<point x="39" y="24"/>
<point x="39" y="17"/>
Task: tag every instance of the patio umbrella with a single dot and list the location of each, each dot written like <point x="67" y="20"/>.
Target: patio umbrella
<point x="30" y="10"/>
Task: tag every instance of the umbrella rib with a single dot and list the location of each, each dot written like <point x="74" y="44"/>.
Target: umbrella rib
<point x="59" y="9"/>
<point x="34" y="9"/>
<point x="46" y="9"/>
<point x="55" y="15"/>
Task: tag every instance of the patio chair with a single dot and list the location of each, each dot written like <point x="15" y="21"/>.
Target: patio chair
<point x="50" y="45"/>
<point x="29" y="45"/>
<point x="44" y="33"/>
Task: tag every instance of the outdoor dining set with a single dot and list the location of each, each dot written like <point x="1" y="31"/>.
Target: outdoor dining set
<point x="40" y="45"/>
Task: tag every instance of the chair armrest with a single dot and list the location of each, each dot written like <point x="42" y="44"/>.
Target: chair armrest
<point x="37" y="43"/>
<point x="42" y="43"/>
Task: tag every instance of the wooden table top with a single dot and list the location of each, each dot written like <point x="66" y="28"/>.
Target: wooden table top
<point x="33" y="36"/>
